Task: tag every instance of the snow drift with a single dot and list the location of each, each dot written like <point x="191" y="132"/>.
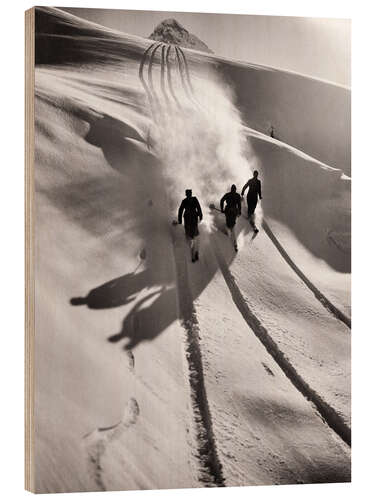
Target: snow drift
<point x="152" y="371"/>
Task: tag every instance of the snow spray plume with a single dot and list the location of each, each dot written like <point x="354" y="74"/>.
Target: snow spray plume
<point x="201" y="142"/>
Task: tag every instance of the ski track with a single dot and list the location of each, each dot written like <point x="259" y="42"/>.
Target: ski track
<point x="183" y="75"/>
<point x="317" y="293"/>
<point x="141" y="77"/>
<point x="332" y="418"/>
<point x="162" y="77"/>
<point x="209" y="468"/>
<point x="180" y="69"/>
<point x="149" y="73"/>
<point x="187" y="70"/>
<point x="169" y="77"/>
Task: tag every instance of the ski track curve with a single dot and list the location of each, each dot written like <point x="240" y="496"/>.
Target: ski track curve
<point x="162" y="76"/>
<point x="331" y="308"/>
<point x="190" y="85"/>
<point x="149" y="74"/>
<point x="165" y="68"/>
<point x="317" y="293"/>
<point x="169" y="77"/>
<point x="331" y="417"/>
<point x="209" y="468"/>
<point x="182" y="70"/>
<point x="142" y="79"/>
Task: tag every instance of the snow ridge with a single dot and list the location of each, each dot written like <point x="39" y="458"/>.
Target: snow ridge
<point x="330" y="416"/>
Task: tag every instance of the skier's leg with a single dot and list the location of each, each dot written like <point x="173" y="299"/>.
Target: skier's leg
<point x="192" y="249"/>
<point x="234" y="238"/>
<point x="250" y="215"/>
<point x="252" y="223"/>
<point x="226" y="229"/>
<point x="196" y="247"/>
<point x="251" y="205"/>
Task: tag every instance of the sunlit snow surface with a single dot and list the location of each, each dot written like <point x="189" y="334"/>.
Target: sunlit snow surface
<point x="151" y="371"/>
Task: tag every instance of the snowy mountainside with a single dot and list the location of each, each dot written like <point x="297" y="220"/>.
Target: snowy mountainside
<point x="155" y="372"/>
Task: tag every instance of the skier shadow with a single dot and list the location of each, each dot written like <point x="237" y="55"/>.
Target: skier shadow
<point x="145" y="322"/>
<point x="153" y="292"/>
<point x="150" y="287"/>
<point x="114" y="293"/>
<point x="150" y="292"/>
<point x="148" y="317"/>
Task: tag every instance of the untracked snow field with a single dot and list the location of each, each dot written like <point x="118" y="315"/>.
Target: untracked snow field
<point x="153" y="371"/>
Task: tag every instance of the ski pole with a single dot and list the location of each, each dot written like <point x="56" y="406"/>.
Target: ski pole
<point x="212" y="207"/>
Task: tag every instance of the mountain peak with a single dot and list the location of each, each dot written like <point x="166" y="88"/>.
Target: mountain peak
<point x="171" y="31"/>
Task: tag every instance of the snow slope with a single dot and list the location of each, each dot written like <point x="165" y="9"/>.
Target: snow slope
<point x="309" y="114"/>
<point x="151" y="371"/>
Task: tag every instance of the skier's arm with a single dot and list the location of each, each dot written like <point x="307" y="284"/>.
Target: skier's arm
<point x="239" y="206"/>
<point x="180" y="212"/>
<point x="260" y="190"/>
<point x="244" y="188"/>
<point x="199" y="210"/>
<point x="222" y="203"/>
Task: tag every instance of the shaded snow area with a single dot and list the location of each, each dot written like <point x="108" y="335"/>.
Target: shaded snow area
<point x="153" y="371"/>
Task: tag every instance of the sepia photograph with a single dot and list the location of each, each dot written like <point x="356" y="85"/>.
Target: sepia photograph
<point x="189" y="242"/>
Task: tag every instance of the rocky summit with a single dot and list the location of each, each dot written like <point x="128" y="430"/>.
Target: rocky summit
<point x="171" y="31"/>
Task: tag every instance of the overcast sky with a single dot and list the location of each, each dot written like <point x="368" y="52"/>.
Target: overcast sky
<point x="312" y="46"/>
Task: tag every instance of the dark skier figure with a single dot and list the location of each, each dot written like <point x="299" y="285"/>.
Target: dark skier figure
<point x="191" y="210"/>
<point x="232" y="210"/>
<point x="255" y="190"/>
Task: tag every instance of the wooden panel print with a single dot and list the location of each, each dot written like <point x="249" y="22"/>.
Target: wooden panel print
<point x="188" y="250"/>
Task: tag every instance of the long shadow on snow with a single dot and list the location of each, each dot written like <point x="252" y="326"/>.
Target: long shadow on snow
<point x="152" y="289"/>
<point x="62" y="39"/>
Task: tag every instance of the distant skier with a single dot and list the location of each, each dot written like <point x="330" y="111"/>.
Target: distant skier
<point x="255" y="190"/>
<point x="232" y="210"/>
<point x="191" y="210"/>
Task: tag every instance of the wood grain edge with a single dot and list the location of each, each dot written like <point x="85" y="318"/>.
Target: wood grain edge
<point x="29" y="248"/>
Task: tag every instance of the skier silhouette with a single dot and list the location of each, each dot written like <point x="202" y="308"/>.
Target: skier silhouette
<point x="255" y="190"/>
<point x="232" y="210"/>
<point x="191" y="210"/>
